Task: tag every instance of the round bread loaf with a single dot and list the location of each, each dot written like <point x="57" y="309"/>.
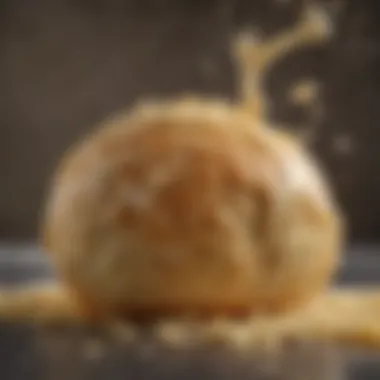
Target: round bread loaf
<point x="191" y="206"/>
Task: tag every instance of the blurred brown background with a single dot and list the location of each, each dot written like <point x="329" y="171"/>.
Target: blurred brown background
<point x="66" y="64"/>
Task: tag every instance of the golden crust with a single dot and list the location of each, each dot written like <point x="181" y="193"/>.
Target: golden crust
<point x="190" y="206"/>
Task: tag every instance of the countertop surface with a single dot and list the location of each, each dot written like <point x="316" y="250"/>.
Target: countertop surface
<point x="37" y="353"/>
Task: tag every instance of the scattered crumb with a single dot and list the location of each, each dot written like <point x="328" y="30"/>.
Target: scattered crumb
<point x="123" y="331"/>
<point x="269" y="341"/>
<point x="343" y="145"/>
<point x="217" y="331"/>
<point x="94" y="349"/>
<point x="305" y="92"/>
<point x="174" y="334"/>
